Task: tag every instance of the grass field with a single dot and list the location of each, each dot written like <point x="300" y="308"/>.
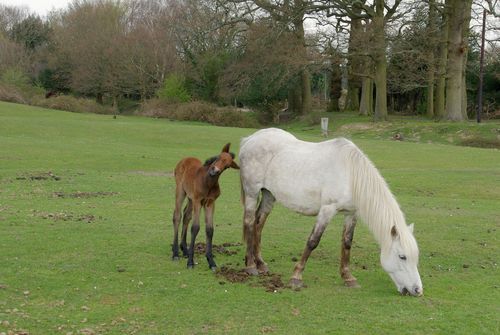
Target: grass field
<point x="85" y="230"/>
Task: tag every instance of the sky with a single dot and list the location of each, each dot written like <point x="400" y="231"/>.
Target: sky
<point x="41" y="7"/>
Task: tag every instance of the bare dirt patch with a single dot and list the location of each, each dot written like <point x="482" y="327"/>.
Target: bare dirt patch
<point x="84" y="195"/>
<point x="271" y="282"/>
<point x="62" y="216"/>
<point x="233" y="275"/>
<point x="200" y="247"/>
<point x="153" y="173"/>
<point x="39" y="176"/>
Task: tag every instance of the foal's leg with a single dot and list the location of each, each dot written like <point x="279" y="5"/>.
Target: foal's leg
<point x="195" y="228"/>
<point x="250" y="205"/>
<point x="325" y="215"/>
<point x="345" y="251"/>
<point x="180" y="195"/>
<point x="186" y="217"/>
<point x="265" y="208"/>
<point x="209" y="228"/>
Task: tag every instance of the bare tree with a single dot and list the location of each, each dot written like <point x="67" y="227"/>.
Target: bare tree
<point x="459" y="12"/>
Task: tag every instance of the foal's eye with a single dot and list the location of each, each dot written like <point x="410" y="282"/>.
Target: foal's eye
<point x="402" y="257"/>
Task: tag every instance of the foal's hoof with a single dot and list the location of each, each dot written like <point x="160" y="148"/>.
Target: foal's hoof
<point x="296" y="284"/>
<point x="352" y="284"/>
<point x="190" y="266"/>
<point x="213" y="268"/>
<point x="175" y="258"/>
<point x="252" y="271"/>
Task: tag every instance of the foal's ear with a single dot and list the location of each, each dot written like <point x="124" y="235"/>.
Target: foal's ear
<point x="234" y="165"/>
<point x="226" y="147"/>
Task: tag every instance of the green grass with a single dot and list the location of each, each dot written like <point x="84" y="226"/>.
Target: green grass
<point x="100" y="263"/>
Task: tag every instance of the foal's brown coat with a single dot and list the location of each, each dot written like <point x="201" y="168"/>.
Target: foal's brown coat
<point x="200" y="184"/>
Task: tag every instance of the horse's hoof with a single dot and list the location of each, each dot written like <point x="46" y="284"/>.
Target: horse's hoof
<point x="296" y="284"/>
<point x="352" y="283"/>
<point x="213" y="268"/>
<point x="175" y="258"/>
<point x="252" y="271"/>
<point x="190" y="266"/>
<point x="263" y="269"/>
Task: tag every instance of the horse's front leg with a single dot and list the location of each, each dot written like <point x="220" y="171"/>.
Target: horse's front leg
<point x="209" y="228"/>
<point x="325" y="215"/>
<point x="195" y="228"/>
<point x="248" y="234"/>
<point x="180" y="195"/>
<point x="345" y="251"/>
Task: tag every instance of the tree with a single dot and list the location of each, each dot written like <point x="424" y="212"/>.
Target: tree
<point x="31" y="32"/>
<point x="459" y="12"/>
<point x="379" y="12"/>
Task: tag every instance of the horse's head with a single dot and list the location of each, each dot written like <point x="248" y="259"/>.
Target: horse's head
<point x="400" y="261"/>
<point x="217" y="164"/>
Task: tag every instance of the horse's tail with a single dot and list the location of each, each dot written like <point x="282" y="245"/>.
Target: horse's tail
<point x="242" y="198"/>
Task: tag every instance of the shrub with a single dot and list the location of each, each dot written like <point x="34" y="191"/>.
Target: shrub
<point x="199" y="111"/>
<point x="73" y="104"/>
<point x="11" y="94"/>
<point x="174" y="90"/>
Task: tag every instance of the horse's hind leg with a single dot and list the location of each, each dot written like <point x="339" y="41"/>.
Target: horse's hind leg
<point x="180" y="195"/>
<point x="250" y="206"/>
<point x="209" y="228"/>
<point x="195" y="228"/>
<point x="325" y="215"/>
<point x="345" y="251"/>
<point x="265" y="208"/>
<point x="186" y="217"/>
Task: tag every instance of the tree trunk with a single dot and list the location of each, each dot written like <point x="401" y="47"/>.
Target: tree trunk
<point x="99" y="98"/>
<point x="365" y="106"/>
<point x="354" y="61"/>
<point x="295" y="99"/>
<point x="380" y="62"/>
<point x="353" y="97"/>
<point x="441" y="70"/>
<point x="305" y="77"/>
<point x="430" y="59"/>
<point x="457" y="46"/>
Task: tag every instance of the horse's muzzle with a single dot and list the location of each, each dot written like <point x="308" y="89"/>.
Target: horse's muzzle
<point x="416" y="291"/>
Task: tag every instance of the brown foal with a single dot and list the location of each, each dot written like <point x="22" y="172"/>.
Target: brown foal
<point x="200" y="184"/>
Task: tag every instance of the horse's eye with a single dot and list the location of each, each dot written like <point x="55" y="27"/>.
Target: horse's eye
<point x="402" y="257"/>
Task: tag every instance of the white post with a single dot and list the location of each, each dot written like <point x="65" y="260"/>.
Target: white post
<point x="324" y="126"/>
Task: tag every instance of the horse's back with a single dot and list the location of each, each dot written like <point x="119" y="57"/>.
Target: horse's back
<point x="301" y="175"/>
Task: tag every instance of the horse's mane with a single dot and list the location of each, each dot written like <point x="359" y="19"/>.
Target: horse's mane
<point x="375" y="203"/>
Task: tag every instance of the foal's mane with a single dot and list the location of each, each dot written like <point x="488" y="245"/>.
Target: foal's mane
<point x="210" y="160"/>
<point x="375" y="203"/>
<point x="213" y="159"/>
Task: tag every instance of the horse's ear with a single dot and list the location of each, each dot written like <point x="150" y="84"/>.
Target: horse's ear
<point x="226" y="147"/>
<point x="394" y="232"/>
<point x="410" y="226"/>
<point x="234" y="165"/>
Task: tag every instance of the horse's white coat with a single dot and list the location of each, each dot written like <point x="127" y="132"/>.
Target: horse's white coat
<point x="325" y="178"/>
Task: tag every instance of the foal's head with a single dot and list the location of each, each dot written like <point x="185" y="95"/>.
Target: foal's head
<point x="217" y="164"/>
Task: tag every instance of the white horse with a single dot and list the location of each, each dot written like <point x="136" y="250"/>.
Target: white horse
<point x="322" y="179"/>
